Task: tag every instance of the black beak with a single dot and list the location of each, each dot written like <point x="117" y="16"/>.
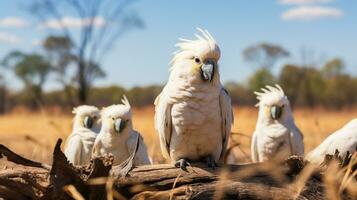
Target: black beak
<point x="119" y="125"/>
<point x="276" y="112"/>
<point x="88" y="122"/>
<point x="207" y="70"/>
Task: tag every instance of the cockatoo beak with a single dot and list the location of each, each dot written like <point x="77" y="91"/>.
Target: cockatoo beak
<point x="276" y="112"/>
<point x="88" y="122"/>
<point x="207" y="70"/>
<point x="119" y="125"/>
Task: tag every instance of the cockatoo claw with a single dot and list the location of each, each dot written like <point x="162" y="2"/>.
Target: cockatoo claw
<point x="211" y="163"/>
<point x="182" y="163"/>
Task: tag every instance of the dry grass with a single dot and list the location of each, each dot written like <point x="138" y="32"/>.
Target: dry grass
<point x="34" y="134"/>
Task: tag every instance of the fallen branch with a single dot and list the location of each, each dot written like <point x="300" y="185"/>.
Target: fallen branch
<point x="99" y="180"/>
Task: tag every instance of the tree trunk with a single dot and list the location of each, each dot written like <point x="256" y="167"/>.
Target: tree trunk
<point x="2" y="99"/>
<point x="82" y="83"/>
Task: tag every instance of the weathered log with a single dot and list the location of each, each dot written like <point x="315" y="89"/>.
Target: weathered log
<point x="99" y="180"/>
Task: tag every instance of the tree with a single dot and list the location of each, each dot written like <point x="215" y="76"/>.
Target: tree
<point x="304" y="86"/>
<point x="59" y="52"/>
<point x="260" y="78"/>
<point x="2" y="95"/>
<point x="240" y="95"/>
<point x="333" y="68"/>
<point x="31" y="69"/>
<point x="290" y="79"/>
<point x="264" y="55"/>
<point x="101" y="24"/>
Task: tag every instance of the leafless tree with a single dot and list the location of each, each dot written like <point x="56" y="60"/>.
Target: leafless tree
<point x="264" y="55"/>
<point x="2" y="95"/>
<point x="102" y="23"/>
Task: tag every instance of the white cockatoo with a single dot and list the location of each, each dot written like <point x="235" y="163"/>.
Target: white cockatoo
<point x="193" y="113"/>
<point x="275" y="135"/>
<point x="344" y="140"/>
<point x="117" y="136"/>
<point x="86" y="125"/>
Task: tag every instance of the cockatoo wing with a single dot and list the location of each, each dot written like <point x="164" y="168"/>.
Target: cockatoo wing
<point x="227" y="118"/>
<point x="163" y="123"/>
<point x="73" y="149"/>
<point x="296" y="141"/>
<point x="141" y="157"/>
<point x="344" y="139"/>
<point x="273" y="141"/>
<point x="254" y="148"/>
<point x="96" y="148"/>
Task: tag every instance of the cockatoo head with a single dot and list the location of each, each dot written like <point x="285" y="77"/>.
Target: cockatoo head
<point x="197" y="60"/>
<point x="86" y="117"/>
<point x="273" y="103"/>
<point x="116" y="119"/>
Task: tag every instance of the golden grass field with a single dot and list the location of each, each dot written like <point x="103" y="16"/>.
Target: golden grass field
<point x="33" y="135"/>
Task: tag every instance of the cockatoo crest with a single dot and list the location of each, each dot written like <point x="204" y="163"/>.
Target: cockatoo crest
<point x="205" y="44"/>
<point x="125" y="101"/>
<point x="117" y="109"/>
<point x="271" y="96"/>
<point x="85" y="110"/>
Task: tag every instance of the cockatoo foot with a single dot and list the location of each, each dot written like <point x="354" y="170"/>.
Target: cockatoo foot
<point x="182" y="163"/>
<point x="210" y="162"/>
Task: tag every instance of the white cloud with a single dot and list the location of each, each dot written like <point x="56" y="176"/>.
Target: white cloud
<point x="35" y="42"/>
<point x="13" y="22"/>
<point x="72" y="22"/>
<point x="9" y="38"/>
<point x="303" y="2"/>
<point x="308" y="13"/>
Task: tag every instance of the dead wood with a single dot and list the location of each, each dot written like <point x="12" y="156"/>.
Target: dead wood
<point x="15" y="158"/>
<point x="99" y="180"/>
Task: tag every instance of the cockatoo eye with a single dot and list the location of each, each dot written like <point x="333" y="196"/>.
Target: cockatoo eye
<point x="197" y="60"/>
<point x="88" y="122"/>
<point x="119" y="125"/>
<point x="276" y="112"/>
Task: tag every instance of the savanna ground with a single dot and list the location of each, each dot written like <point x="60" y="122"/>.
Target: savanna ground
<point x="33" y="135"/>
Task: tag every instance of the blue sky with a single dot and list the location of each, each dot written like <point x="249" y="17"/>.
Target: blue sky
<point x="325" y="28"/>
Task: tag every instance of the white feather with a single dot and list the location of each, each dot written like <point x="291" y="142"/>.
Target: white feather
<point x="344" y="140"/>
<point x="193" y="119"/>
<point x="275" y="138"/>
<point x="80" y="142"/>
<point x="120" y="145"/>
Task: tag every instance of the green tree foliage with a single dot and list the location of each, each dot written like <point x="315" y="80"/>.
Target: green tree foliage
<point x="340" y="88"/>
<point x="260" y="78"/>
<point x="330" y="86"/>
<point x="142" y="96"/>
<point x="106" y="95"/>
<point x="333" y="68"/>
<point x="290" y="77"/>
<point x="240" y="95"/>
<point x="305" y="86"/>
<point x="32" y="70"/>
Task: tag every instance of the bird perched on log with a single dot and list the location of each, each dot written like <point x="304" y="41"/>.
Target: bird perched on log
<point x="86" y="125"/>
<point x="276" y="135"/>
<point x="344" y="140"/>
<point x="117" y="136"/>
<point x="193" y="113"/>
